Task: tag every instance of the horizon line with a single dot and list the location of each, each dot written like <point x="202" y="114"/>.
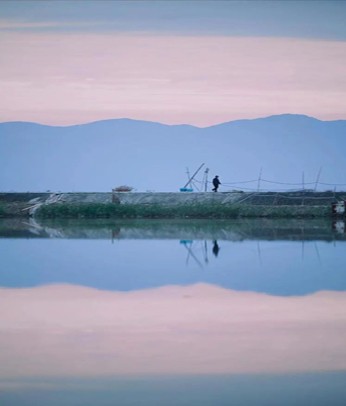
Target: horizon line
<point x="167" y="124"/>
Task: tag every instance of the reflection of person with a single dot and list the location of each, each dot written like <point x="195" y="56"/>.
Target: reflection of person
<point x="216" y="248"/>
<point x="216" y="184"/>
<point x="115" y="233"/>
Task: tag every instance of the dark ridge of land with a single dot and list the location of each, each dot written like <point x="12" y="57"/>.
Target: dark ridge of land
<point x="300" y="204"/>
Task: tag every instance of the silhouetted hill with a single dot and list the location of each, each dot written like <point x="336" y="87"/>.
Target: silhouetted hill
<point x="152" y="156"/>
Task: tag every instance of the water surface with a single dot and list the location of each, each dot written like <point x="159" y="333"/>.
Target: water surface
<point x="173" y="313"/>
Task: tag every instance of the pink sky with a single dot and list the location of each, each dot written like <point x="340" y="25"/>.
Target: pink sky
<point x="71" y="78"/>
<point x="66" y="330"/>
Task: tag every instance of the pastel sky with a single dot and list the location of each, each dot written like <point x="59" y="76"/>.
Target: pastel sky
<point x="195" y="62"/>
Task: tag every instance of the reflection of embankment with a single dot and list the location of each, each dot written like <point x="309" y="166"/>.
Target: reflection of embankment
<point x="66" y="330"/>
<point x="231" y="230"/>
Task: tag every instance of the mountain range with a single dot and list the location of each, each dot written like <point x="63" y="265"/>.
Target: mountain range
<point x="285" y="152"/>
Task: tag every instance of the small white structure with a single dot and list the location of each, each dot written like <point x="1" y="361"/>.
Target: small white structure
<point x="339" y="208"/>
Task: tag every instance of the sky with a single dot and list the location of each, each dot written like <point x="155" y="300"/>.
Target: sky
<point x="193" y="62"/>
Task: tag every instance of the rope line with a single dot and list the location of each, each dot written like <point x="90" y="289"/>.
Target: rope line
<point x="281" y="191"/>
<point x="245" y="185"/>
<point x="235" y="183"/>
<point x="331" y="184"/>
<point x="287" y="183"/>
<point x="273" y="182"/>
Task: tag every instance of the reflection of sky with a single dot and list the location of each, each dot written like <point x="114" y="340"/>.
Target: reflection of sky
<point x="66" y="330"/>
<point x="273" y="267"/>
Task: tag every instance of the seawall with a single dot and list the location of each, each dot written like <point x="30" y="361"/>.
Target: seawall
<point x="26" y="204"/>
<point x="166" y="199"/>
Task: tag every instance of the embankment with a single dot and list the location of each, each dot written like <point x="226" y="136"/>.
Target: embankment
<point x="170" y="205"/>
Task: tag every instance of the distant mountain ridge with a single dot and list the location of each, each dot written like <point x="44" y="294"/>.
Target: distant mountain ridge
<point x="277" y="117"/>
<point x="97" y="156"/>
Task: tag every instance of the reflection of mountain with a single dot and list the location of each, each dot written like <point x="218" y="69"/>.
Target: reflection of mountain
<point x="171" y="330"/>
<point x="230" y="230"/>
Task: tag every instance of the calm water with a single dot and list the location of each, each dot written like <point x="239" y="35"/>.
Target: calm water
<point x="173" y="313"/>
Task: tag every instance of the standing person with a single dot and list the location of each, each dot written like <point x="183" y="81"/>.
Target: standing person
<point x="216" y="183"/>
